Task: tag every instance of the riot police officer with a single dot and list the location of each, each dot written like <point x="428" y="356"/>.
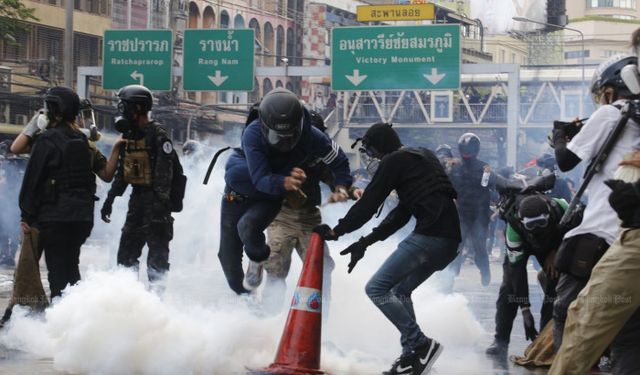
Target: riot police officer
<point x="473" y="204"/>
<point x="58" y="190"/>
<point x="150" y="165"/>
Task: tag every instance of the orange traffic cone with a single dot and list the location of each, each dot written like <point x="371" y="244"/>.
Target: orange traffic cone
<point x="299" y="349"/>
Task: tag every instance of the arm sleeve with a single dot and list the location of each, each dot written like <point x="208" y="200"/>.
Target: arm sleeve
<point x="395" y="220"/>
<point x="566" y="159"/>
<point x="34" y="176"/>
<point x="119" y="185"/>
<point x="515" y="251"/>
<point x="519" y="282"/>
<point x="333" y="156"/>
<point x="99" y="161"/>
<point x="257" y="161"/>
<point x="374" y="195"/>
<point x="163" y="169"/>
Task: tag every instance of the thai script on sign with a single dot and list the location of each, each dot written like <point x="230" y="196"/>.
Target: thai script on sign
<point x="397" y="42"/>
<point x="386" y="13"/>
<point x="138" y="45"/>
<point x="218" y="45"/>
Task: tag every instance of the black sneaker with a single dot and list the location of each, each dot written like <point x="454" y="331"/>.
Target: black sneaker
<point x="425" y="357"/>
<point x="498" y="348"/>
<point x="402" y="366"/>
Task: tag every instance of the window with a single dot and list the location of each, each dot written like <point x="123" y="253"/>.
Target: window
<point x="513" y="58"/>
<point x="608" y="53"/>
<point x="627" y="4"/>
<point x="502" y="56"/>
<point x="576" y="54"/>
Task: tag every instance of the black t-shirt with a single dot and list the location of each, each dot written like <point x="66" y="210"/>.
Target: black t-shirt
<point x="413" y="179"/>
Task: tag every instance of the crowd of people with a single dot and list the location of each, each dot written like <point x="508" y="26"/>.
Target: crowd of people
<point x="587" y="257"/>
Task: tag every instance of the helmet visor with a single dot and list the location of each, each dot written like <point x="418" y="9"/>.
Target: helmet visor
<point x="283" y="140"/>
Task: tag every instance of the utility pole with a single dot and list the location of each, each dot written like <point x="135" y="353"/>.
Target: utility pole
<point x="68" y="44"/>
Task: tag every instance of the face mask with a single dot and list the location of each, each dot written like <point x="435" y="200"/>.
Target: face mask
<point x="42" y="122"/>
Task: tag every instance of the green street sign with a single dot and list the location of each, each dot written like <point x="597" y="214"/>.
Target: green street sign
<point x="140" y="57"/>
<point x="395" y="58"/>
<point x="218" y="60"/>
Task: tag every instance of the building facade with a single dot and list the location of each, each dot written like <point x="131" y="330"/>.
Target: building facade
<point x="606" y="26"/>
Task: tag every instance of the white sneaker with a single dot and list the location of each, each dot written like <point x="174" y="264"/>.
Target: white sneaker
<point x="253" y="276"/>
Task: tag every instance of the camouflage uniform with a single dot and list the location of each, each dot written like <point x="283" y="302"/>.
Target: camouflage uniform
<point x="291" y="229"/>
<point x="149" y="218"/>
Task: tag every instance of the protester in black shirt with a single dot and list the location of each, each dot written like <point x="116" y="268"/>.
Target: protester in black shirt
<point x="424" y="192"/>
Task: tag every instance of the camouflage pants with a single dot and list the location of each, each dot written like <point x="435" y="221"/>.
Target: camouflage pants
<point x="290" y="230"/>
<point x="140" y="229"/>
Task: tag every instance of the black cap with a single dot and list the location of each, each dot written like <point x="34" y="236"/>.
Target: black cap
<point x="380" y="139"/>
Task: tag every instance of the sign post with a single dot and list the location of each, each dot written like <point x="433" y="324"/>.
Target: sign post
<point x="395" y="58"/>
<point x="218" y="59"/>
<point x="140" y="57"/>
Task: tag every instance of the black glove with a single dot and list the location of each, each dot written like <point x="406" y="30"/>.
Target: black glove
<point x="325" y="232"/>
<point x="625" y="200"/>
<point x="529" y="324"/>
<point x="356" y="250"/>
<point x="107" y="207"/>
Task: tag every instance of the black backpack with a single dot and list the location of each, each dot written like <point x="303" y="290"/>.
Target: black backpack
<point x="178" y="185"/>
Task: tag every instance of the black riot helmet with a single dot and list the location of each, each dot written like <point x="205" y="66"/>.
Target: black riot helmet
<point x="134" y="99"/>
<point x="317" y="121"/>
<point x="380" y="140"/>
<point x="281" y="119"/>
<point x="608" y="75"/>
<point x="61" y="103"/>
<point x="469" y="146"/>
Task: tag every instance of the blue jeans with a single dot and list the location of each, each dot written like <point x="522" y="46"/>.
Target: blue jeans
<point x="242" y="224"/>
<point x="416" y="258"/>
<point x="474" y="233"/>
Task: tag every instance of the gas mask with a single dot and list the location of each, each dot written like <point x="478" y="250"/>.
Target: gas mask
<point x="371" y="161"/>
<point x="124" y="123"/>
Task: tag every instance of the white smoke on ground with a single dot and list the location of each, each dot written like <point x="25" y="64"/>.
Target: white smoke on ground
<point x="110" y="323"/>
<point x="496" y="15"/>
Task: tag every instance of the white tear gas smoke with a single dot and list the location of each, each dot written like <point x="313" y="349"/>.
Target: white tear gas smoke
<point x="496" y="15"/>
<point x="110" y="323"/>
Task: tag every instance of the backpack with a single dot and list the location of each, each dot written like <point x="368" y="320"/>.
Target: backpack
<point x="178" y="185"/>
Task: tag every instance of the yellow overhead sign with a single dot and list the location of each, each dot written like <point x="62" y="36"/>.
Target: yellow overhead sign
<point x="396" y="12"/>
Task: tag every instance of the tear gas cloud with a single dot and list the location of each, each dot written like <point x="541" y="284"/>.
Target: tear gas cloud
<point x="111" y="324"/>
<point x="496" y="15"/>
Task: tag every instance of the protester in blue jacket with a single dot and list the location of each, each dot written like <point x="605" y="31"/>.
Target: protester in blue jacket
<point x="275" y="148"/>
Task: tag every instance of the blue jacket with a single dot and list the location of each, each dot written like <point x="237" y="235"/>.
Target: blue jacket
<point x="259" y="171"/>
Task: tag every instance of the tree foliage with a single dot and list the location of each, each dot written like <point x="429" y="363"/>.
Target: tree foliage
<point x="12" y="15"/>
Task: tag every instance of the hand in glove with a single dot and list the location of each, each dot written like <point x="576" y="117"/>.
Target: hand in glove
<point x="624" y="199"/>
<point x="529" y="324"/>
<point x="107" y="207"/>
<point x="356" y="250"/>
<point x="325" y="232"/>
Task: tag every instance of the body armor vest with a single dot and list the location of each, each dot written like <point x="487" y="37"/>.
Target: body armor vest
<point x="137" y="164"/>
<point x="75" y="173"/>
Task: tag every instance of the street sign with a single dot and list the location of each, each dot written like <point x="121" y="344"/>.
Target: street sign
<point x="395" y="12"/>
<point x="219" y="59"/>
<point x="140" y="57"/>
<point x="395" y="58"/>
